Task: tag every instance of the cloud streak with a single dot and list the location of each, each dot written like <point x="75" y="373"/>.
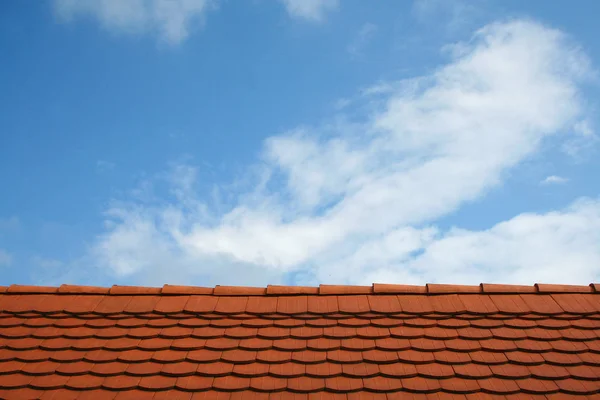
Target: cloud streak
<point x="554" y="180"/>
<point x="357" y="202"/>
<point x="170" y="20"/>
<point x="311" y="10"/>
<point x="362" y="39"/>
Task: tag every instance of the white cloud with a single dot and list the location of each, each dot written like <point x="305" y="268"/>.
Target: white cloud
<point x="583" y="140"/>
<point x="557" y="247"/>
<point x="5" y="258"/>
<point x="103" y="166"/>
<point x="362" y="39"/>
<point x="313" y="10"/>
<point x="171" y="20"/>
<point x="554" y="180"/>
<point x="358" y="202"/>
<point x="455" y="14"/>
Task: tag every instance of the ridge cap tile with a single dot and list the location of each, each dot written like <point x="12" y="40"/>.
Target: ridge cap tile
<point x="78" y="289"/>
<point x="380" y="288"/>
<point x="239" y="291"/>
<point x="558" y="288"/>
<point x="498" y="288"/>
<point x="324" y="289"/>
<point x="131" y="290"/>
<point x="291" y="290"/>
<point x="179" y="289"/>
<point x="452" y="289"/>
<point x="31" y="289"/>
<point x="344" y="289"/>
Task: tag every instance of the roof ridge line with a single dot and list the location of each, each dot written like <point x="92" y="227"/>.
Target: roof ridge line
<point x="324" y="290"/>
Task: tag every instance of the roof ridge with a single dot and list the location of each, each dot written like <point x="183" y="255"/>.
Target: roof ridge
<point x="282" y="290"/>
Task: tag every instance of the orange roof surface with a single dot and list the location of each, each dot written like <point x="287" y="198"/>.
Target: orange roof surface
<point x="380" y="342"/>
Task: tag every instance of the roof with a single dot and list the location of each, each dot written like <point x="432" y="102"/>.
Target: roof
<point x="379" y="342"/>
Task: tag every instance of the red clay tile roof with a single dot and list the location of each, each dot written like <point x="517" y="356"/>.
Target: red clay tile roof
<point x="380" y="342"/>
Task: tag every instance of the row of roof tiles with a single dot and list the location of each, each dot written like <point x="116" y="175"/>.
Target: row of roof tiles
<point x="323" y="370"/>
<point x="318" y="351"/>
<point x="302" y="384"/>
<point x="174" y="394"/>
<point x="449" y="304"/>
<point x="376" y="288"/>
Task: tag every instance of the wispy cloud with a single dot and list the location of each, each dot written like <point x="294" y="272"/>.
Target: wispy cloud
<point x="312" y="10"/>
<point x="103" y="165"/>
<point x="583" y="140"/>
<point x="355" y="203"/>
<point x="5" y="258"/>
<point x="554" y="180"/>
<point x="170" y="20"/>
<point x="455" y="14"/>
<point x="362" y="39"/>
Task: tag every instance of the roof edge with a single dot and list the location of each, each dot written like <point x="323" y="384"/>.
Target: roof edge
<point x="323" y="290"/>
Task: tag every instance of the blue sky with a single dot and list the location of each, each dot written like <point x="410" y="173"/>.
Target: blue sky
<point x="299" y="142"/>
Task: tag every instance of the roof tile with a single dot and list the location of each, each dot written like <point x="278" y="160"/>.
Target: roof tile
<point x="546" y="288"/>
<point x="110" y="368"/>
<point x="576" y="303"/>
<point x="354" y="304"/>
<point x="458" y="385"/>
<point x="305" y="384"/>
<point x="84" y="382"/>
<point x="390" y="288"/>
<point x="498" y="386"/>
<point x="112" y="304"/>
<point x="157" y="383"/>
<point x="533" y="385"/>
<point x="182" y="290"/>
<point x="267" y="383"/>
<point x="201" y="304"/>
<point x="323" y="304"/>
<point x="286" y="370"/>
<point x="31" y="289"/>
<point x="291" y="290"/>
<point x="262" y="305"/>
<point x="238" y="291"/>
<point x="440" y="288"/>
<point x="292" y="304"/>
<point x="344" y="289"/>
<point x="121" y="290"/>
<point x="194" y="383"/>
<point x="343" y="384"/>
<point x="415" y="304"/>
<point x="399" y="342"/>
<point x="496" y="288"/>
<point x="382" y="384"/>
<point x="82" y="289"/>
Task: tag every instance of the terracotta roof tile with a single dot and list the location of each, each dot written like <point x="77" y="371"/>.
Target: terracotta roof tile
<point x="380" y="288"/>
<point x="383" y="342"/>
<point x="121" y="290"/>
<point x="238" y="291"/>
<point x="546" y="288"/>
<point x="440" y="288"/>
<point x="201" y="304"/>
<point x="496" y="288"/>
<point x="289" y="290"/>
<point x="337" y="289"/>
